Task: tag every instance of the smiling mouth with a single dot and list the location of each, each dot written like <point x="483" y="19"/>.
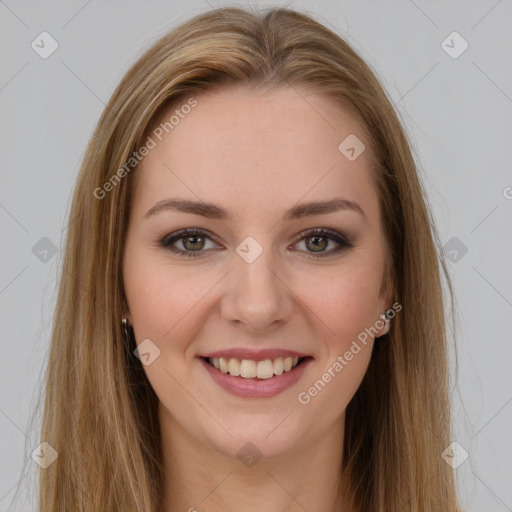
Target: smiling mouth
<point x="255" y="370"/>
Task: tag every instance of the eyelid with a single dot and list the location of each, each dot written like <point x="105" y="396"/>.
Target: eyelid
<point x="329" y="233"/>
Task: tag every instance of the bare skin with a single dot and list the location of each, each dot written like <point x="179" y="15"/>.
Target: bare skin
<point x="256" y="156"/>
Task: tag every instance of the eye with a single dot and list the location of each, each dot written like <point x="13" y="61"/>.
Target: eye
<point x="317" y="240"/>
<point x="192" y="242"/>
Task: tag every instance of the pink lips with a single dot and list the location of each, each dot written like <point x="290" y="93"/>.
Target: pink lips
<point x="256" y="388"/>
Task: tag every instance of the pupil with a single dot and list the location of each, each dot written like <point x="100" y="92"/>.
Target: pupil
<point x="319" y="242"/>
<point x="194" y="245"/>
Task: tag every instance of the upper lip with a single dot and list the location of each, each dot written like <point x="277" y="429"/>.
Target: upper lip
<point x="254" y="354"/>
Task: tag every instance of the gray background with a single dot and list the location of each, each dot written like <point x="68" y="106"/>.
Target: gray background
<point x="458" y="112"/>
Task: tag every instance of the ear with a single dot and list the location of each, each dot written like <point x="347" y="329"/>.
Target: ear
<point x="386" y="301"/>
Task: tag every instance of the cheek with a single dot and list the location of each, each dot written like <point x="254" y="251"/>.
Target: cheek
<point x="346" y="304"/>
<point x="346" y="301"/>
<point x="164" y="307"/>
<point x="165" y="301"/>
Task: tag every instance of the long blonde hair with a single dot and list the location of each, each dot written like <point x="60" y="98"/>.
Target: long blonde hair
<point x="100" y="413"/>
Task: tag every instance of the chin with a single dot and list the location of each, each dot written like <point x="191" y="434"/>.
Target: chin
<point x="262" y="437"/>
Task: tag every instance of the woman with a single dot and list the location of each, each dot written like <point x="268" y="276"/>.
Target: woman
<point x="250" y="314"/>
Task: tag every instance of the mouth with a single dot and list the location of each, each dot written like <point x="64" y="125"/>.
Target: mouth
<point x="255" y="378"/>
<point x="253" y="369"/>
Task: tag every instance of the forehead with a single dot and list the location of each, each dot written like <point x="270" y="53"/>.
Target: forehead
<point x="249" y="151"/>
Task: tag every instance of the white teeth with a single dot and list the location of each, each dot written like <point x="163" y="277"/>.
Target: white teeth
<point x="223" y="364"/>
<point x="249" y="369"/>
<point x="278" y="366"/>
<point x="233" y="367"/>
<point x="264" y="369"/>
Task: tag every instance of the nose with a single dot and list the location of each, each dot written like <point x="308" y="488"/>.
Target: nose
<point x="257" y="295"/>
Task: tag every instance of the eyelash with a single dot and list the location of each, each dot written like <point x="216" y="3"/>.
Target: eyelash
<point x="167" y="241"/>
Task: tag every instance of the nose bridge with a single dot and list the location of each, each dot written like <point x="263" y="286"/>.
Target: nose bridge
<point x="257" y="296"/>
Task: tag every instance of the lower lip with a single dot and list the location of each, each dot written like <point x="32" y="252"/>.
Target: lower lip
<point x="256" y="388"/>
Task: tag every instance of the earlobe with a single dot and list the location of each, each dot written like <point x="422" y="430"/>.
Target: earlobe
<point x="387" y="322"/>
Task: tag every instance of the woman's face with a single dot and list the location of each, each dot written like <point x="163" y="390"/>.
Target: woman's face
<point x="253" y="284"/>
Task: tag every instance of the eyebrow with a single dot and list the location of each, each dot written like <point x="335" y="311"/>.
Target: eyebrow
<point x="213" y="211"/>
